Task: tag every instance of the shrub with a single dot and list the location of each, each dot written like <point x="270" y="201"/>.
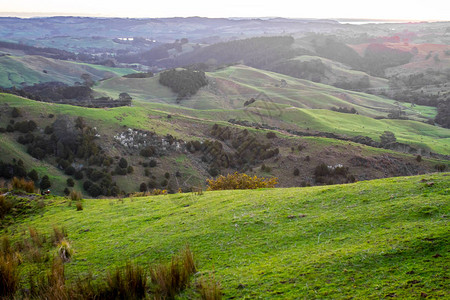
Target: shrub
<point x="15" y="112"/>
<point x="167" y="175"/>
<point x="152" y="163"/>
<point x="419" y="158"/>
<point x="296" y="172"/>
<point x="271" y="135"/>
<point x="78" y="175"/>
<point x="147" y="152"/>
<point x="123" y="163"/>
<point x="130" y="170"/>
<point x="240" y="181"/>
<point x="70" y="170"/>
<point x="70" y="182"/>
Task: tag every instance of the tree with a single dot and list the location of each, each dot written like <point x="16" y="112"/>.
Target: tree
<point x="45" y="183"/>
<point x="87" y="79"/>
<point x="33" y="175"/>
<point x="387" y="137"/>
<point x="143" y="187"/>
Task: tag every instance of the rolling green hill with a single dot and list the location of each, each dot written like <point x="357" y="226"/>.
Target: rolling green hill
<point x="371" y="239"/>
<point x="339" y="72"/>
<point x="229" y="88"/>
<point x="31" y="69"/>
<point x="289" y="104"/>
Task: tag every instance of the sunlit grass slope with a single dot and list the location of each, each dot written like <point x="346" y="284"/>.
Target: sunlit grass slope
<point x="373" y="239"/>
<point x="230" y="87"/>
<point x="150" y="116"/>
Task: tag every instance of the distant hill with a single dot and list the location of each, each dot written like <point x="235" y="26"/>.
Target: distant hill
<point x="30" y="69"/>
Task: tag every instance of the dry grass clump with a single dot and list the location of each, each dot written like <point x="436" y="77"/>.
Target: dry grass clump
<point x="240" y="181"/>
<point x="75" y="195"/>
<point x="170" y="279"/>
<point x="65" y="251"/>
<point x="58" y="235"/>
<point x="79" y="205"/>
<point x="209" y="288"/>
<point x="5" y="206"/>
<point x="127" y="283"/>
<point x="22" y="184"/>
<point x="9" y="275"/>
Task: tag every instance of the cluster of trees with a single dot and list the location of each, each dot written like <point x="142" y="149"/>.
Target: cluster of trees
<point x="139" y="75"/>
<point x="72" y="144"/>
<point x="249" y="149"/>
<point x="17" y="169"/>
<point x="360" y="84"/>
<point x="184" y="82"/>
<point x="58" y="92"/>
<point x="258" y="52"/>
<point x="313" y="70"/>
<point x="377" y="57"/>
<point x="345" y="110"/>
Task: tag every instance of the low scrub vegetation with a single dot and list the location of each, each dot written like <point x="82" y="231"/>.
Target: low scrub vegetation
<point x="240" y="181"/>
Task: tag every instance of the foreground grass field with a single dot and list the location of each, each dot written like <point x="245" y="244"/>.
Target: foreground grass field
<point x="373" y="239"/>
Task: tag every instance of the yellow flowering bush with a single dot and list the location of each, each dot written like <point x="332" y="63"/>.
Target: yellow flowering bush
<point x="240" y="181"/>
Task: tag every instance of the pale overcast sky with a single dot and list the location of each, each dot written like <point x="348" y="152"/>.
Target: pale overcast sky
<point x="379" y="9"/>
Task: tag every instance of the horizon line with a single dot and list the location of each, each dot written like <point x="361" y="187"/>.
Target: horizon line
<point x="30" y="15"/>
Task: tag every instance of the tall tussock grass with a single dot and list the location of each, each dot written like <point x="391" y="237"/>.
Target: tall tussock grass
<point x="75" y="195"/>
<point x="132" y="281"/>
<point x="58" y="235"/>
<point x="170" y="279"/>
<point x="9" y="275"/>
<point x="209" y="288"/>
<point x="22" y="184"/>
<point x="5" y="206"/>
<point x="129" y="282"/>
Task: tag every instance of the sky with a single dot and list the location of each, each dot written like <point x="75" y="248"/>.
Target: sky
<point x="379" y="9"/>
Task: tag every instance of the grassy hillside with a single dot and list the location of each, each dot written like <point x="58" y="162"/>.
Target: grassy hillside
<point x="339" y="72"/>
<point x="229" y="88"/>
<point x="30" y="69"/>
<point x="372" y="239"/>
<point x="188" y="169"/>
